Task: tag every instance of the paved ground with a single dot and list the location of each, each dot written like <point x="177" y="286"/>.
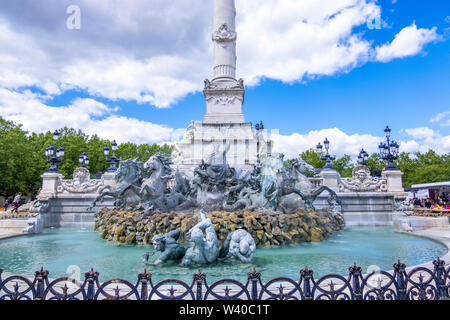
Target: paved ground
<point x="440" y="234"/>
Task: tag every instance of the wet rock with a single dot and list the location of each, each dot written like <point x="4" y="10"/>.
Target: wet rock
<point x="265" y="227"/>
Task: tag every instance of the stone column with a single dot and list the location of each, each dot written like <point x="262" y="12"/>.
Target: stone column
<point x="224" y="95"/>
<point x="224" y="38"/>
<point x="330" y="179"/>
<point x="49" y="183"/>
<point x="394" y="182"/>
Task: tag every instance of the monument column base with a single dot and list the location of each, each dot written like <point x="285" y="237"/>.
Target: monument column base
<point x="49" y="182"/>
<point x="108" y="179"/>
<point x="394" y="183"/>
<point x="330" y="179"/>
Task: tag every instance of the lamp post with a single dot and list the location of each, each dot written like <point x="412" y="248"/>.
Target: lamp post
<point x="363" y="157"/>
<point x="259" y="126"/>
<point x="389" y="150"/>
<point x="54" y="154"/>
<point x="327" y="157"/>
<point x="113" y="160"/>
<point x="83" y="159"/>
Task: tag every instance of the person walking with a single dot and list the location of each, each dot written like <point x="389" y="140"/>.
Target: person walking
<point x="16" y="202"/>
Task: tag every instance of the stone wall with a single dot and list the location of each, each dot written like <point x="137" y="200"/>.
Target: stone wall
<point x="267" y="229"/>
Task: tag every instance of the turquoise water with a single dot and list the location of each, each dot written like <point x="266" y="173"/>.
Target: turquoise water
<point x="59" y="249"/>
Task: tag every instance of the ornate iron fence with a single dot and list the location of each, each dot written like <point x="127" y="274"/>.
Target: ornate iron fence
<point x="418" y="284"/>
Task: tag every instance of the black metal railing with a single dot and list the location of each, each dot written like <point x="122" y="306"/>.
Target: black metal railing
<point x="418" y="284"/>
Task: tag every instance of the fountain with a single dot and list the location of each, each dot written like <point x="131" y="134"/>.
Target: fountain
<point x="269" y="206"/>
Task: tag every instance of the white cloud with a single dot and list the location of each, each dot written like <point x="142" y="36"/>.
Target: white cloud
<point x="408" y="42"/>
<point x="88" y="115"/>
<point x="158" y="51"/>
<point x="313" y="38"/>
<point x="94" y="117"/>
<point x="342" y="143"/>
<point x="424" y="139"/>
<point x="442" y="116"/>
<point x="420" y="133"/>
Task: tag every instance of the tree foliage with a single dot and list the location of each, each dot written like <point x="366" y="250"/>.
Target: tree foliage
<point x="424" y="167"/>
<point x="23" y="161"/>
<point x="417" y="167"/>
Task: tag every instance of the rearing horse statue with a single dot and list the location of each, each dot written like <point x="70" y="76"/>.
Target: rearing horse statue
<point x="295" y="172"/>
<point x="155" y="186"/>
<point x="126" y="191"/>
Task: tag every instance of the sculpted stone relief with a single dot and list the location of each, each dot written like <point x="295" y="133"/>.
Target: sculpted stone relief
<point x="236" y="85"/>
<point x="224" y="34"/>
<point x="81" y="183"/>
<point x="223" y="99"/>
<point x="203" y="246"/>
<point x="361" y="181"/>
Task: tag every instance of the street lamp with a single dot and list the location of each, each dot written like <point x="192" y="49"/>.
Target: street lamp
<point x="113" y="160"/>
<point x="389" y="150"/>
<point x="83" y="159"/>
<point x="259" y="126"/>
<point x="363" y="157"/>
<point x="54" y="154"/>
<point x="327" y="157"/>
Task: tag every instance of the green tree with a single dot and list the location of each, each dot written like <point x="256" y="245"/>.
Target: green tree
<point x="375" y="162"/>
<point x="424" y="167"/>
<point x="97" y="160"/>
<point x="127" y="151"/>
<point x="313" y="158"/>
<point x="344" y="165"/>
<point x="17" y="168"/>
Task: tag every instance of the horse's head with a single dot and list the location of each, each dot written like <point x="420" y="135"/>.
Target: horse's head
<point x="129" y="169"/>
<point x="159" y="162"/>
<point x="302" y="166"/>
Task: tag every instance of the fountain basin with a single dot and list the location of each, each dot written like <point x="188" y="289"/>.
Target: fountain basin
<point x="68" y="251"/>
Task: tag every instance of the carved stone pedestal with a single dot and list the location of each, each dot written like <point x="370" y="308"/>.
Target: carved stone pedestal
<point x="394" y="183"/>
<point x="49" y="184"/>
<point x="330" y="179"/>
<point x="108" y="179"/>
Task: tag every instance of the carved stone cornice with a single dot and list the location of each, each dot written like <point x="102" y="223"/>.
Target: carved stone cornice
<point x="224" y="99"/>
<point x="212" y="86"/>
<point x="81" y="183"/>
<point x="361" y="181"/>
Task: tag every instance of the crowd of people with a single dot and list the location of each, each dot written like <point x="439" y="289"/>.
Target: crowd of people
<point x="441" y="202"/>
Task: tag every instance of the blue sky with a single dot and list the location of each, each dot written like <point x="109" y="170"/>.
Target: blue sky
<point x="150" y="85"/>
